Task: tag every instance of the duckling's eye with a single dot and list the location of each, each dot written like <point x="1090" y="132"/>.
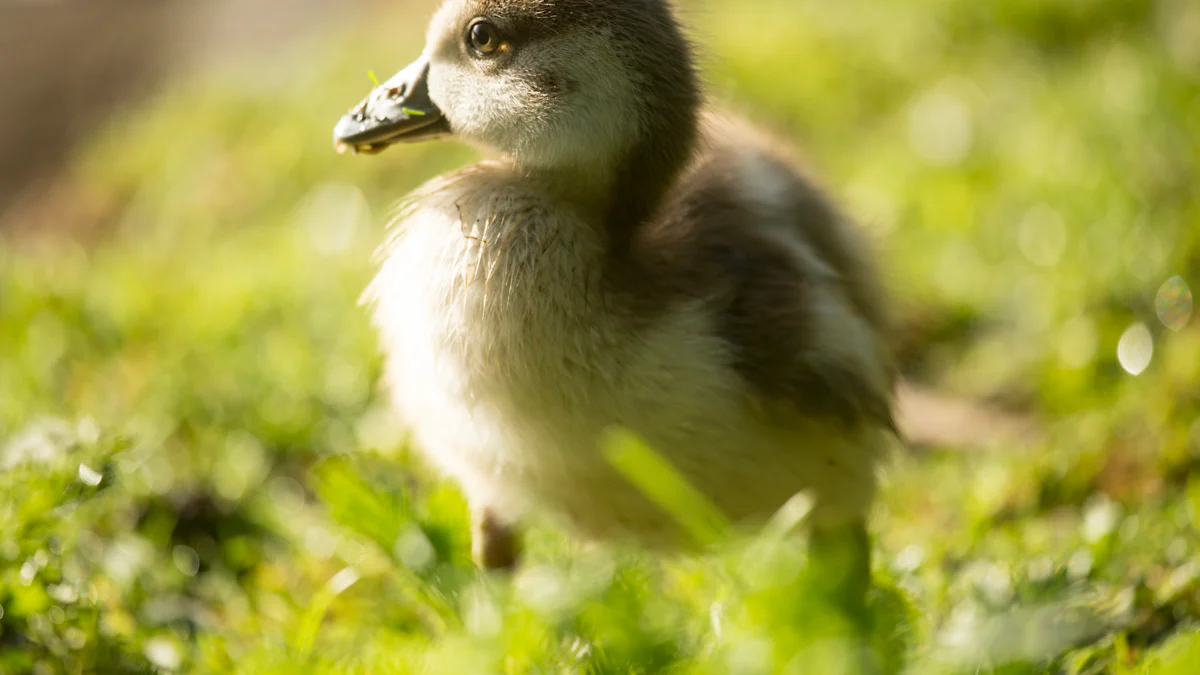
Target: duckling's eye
<point x="484" y="38"/>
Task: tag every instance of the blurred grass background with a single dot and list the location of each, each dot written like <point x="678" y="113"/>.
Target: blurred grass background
<point x="197" y="473"/>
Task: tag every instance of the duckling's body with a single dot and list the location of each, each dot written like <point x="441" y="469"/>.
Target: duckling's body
<point x="643" y="266"/>
<point x="513" y="345"/>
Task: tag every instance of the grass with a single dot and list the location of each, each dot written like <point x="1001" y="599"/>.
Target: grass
<point x="197" y="472"/>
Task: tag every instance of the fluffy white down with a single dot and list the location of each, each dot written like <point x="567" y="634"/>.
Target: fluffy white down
<point x="507" y="365"/>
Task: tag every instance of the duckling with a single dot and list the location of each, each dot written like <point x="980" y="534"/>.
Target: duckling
<point x="627" y="257"/>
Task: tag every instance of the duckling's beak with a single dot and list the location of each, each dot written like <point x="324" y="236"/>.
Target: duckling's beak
<point x="398" y="110"/>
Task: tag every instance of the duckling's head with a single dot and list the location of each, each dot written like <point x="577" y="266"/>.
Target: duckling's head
<point x="549" y="83"/>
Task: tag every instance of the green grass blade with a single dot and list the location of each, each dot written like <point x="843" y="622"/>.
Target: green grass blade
<point x="663" y="484"/>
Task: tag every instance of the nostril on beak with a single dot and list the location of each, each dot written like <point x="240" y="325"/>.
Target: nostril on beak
<point x="397" y="92"/>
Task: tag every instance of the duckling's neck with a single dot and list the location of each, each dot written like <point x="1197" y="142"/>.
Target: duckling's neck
<point x="643" y="176"/>
<point x="620" y="196"/>
<point x="586" y="189"/>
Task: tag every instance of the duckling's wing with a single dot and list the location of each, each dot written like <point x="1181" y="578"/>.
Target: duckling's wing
<point x="797" y="339"/>
<point x="791" y="286"/>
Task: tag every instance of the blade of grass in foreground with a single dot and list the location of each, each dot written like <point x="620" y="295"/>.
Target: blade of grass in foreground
<point x="659" y="481"/>
<point x="306" y="635"/>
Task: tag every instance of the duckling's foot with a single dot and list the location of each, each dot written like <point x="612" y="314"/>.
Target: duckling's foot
<point x="841" y="557"/>
<point x="495" y="545"/>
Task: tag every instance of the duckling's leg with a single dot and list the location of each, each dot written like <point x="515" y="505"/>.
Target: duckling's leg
<point x="494" y="543"/>
<point x="841" y="559"/>
<point x="841" y="562"/>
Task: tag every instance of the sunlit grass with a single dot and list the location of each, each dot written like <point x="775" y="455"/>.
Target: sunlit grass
<point x="188" y="333"/>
